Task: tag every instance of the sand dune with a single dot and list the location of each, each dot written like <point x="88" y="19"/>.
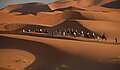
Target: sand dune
<point x="46" y="52"/>
<point x="81" y="3"/>
<point x="48" y="17"/>
<point x="109" y="19"/>
<point x="103" y="16"/>
<point x="16" y="59"/>
<point x="20" y="27"/>
<point x="59" y="53"/>
<point x="41" y="7"/>
<point x="62" y="4"/>
<point x="40" y="19"/>
<point x="111" y="28"/>
<point x="98" y="27"/>
<point x="86" y="3"/>
<point x="27" y="8"/>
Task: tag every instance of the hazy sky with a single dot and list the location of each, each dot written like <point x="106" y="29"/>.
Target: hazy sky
<point x="4" y="3"/>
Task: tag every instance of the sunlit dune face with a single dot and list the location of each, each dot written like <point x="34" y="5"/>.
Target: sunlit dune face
<point x="15" y="59"/>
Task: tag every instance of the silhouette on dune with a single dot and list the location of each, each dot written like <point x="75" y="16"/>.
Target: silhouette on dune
<point x="114" y="5"/>
<point x="68" y="8"/>
<point x="72" y="25"/>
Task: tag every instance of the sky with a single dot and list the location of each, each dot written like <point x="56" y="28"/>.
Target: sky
<point x="4" y="3"/>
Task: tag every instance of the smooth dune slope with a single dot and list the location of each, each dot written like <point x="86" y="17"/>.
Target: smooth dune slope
<point x="16" y="59"/>
<point x="51" y="53"/>
<point x="40" y="19"/>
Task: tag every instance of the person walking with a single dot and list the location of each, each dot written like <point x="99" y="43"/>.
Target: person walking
<point x="52" y="32"/>
<point x="57" y="32"/>
<point x="116" y="39"/>
<point x="40" y="30"/>
<point x="23" y="30"/>
<point x="64" y="32"/>
<point x="68" y="32"/>
<point x="77" y="34"/>
<point x="98" y="38"/>
<point x="29" y="30"/>
<point x="72" y="32"/>
<point x="104" y="36"/>
<point x="88" y="35"/>
<point x="82" y="34"/>
<point x="93" y="35"/>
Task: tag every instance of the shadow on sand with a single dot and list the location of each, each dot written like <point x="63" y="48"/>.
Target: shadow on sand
<point x="114" y="5"/>
<point x="48" y="57"/>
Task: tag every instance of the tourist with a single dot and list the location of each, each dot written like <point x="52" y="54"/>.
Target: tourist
<point x="93" y="35"/>
<point x="82" y="33"/>
<point x="74" y="34"/>
<point x="40" y="31"/>
<point x="23" y="30"/>
<point x="104" y="36"/>
<point x="98" y="38"/>
<point x="116" y="39"/>
<point x="57" y="32"/>
<point x="52" y="32"/>
<point x="64" y="33"/>
<point x="29" y="30"/>
<point x="88" y="35"/>
<point x="77" y="34"/>
<point x="68" y="32"/>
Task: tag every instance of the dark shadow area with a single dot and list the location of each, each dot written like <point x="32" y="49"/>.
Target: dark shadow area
<point x="48" y="57"/>
<point x="69" y="8"/>
<point x="31" y="27"/>
<point x="31" y="8"/>
<point x="114" y="5"/>
<point x="109" y="59"/>
<point x="18" y="27"/>
<point x="72" y="25"/>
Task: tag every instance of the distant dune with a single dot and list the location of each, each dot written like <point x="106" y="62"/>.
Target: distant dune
<point x="27" y="8"/>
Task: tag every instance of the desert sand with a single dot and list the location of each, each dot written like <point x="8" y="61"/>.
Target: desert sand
<point x="50" y="53"/>
<point x="40" y="51"/>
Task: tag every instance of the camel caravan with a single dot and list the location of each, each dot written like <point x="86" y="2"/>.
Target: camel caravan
<point x="71" y="32"/>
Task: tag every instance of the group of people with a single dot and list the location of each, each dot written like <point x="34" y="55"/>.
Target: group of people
<point x="39" y="31"/>
<point x="76" y="33"/>
<point x="73" y="33"/>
